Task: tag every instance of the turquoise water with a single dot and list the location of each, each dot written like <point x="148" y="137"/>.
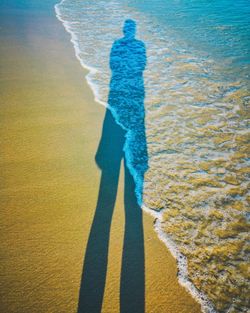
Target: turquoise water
<point x="196" y="89"/>
<point x="218" y="29"/>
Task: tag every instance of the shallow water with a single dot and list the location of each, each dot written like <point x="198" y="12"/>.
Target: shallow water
<point x="197" y="95"/>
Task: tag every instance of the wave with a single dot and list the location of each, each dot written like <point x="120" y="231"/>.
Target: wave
<point x="181" y="260"/>
<point x="206" y="107"/>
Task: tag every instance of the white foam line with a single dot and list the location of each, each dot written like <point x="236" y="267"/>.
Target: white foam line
<point x="183" y="279"/>
<point x="182" y="263"/>
<point x="73" y="39"/>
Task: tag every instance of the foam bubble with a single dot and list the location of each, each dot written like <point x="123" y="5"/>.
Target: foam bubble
<point x="196" y="185"/>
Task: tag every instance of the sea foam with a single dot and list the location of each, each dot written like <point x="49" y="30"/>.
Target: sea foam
<point x="196" y="185"/>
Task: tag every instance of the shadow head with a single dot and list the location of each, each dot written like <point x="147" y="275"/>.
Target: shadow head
<point x="129" y="29"/>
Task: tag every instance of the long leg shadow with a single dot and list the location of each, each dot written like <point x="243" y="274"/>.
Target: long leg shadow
<point x="108" y="158"/>
<point x="132" y="285"/>
<point x="126" y="100"/>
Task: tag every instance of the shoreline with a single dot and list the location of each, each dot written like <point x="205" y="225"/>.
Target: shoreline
<point x="52" y="183"/>
<point x="183" y="275"/>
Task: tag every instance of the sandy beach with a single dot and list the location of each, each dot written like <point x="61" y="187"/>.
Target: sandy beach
<point x="50" y="131"/>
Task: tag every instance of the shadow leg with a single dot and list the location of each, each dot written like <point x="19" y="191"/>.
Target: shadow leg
<point x="96" y="257"/>
<point x="132" y="286"/>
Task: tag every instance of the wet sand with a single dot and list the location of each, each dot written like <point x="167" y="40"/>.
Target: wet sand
<point x="50" y="128"/>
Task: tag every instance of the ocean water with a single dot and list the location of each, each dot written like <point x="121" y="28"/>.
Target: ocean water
<point x="196" y="103"/>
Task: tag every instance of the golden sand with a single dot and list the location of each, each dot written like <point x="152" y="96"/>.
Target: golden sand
<point x="50" y="129"/>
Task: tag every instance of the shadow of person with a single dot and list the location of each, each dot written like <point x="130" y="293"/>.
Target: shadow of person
<point x="123" y="130"/>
